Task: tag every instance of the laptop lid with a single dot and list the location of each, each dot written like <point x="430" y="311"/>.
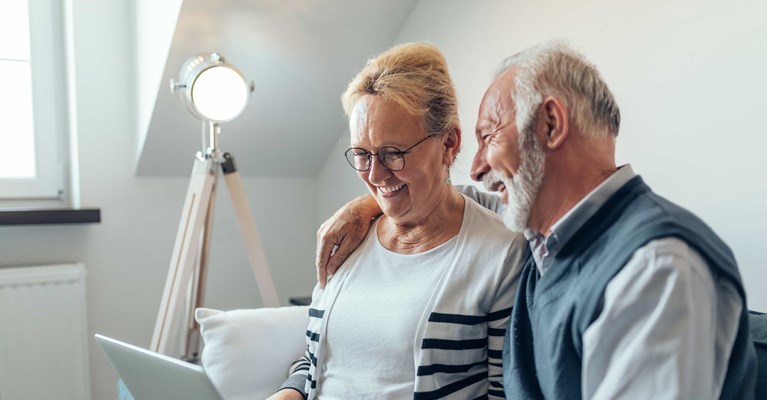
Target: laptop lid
<point x="149" y="375"/>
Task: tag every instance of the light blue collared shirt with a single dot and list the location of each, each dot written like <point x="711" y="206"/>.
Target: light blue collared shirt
<point x="545" y="248"/>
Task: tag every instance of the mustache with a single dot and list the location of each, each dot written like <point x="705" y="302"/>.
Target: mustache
<point x="493" y="178"/>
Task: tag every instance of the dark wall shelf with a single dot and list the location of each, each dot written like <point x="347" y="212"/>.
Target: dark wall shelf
<point x="50" y="216"/>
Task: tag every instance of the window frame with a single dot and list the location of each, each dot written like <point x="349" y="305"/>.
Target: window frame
<point x="48" y="65"/>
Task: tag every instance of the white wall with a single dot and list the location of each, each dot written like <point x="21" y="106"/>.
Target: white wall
<point x="127" y="254"/>
<point x="688" y="75"/>
<point x="154" y="23"/>
<point x="337" y="182"/>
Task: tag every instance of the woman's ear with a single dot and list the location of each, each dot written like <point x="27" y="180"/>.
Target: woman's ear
<point x="452" y="143"/>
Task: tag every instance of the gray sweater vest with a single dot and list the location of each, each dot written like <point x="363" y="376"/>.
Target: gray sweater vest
<point x="543" y="349"/>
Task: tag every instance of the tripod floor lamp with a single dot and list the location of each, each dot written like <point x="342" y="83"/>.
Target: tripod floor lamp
<point x="215" y="92"/>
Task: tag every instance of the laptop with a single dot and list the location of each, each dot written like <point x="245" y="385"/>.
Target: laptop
<point x="153" y="376"/>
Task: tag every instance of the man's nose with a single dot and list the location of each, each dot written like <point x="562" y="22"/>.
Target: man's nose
<point x="479" y="166"/>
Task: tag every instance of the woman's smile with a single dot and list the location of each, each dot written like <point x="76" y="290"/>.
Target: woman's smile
<point x="389" y="191"/>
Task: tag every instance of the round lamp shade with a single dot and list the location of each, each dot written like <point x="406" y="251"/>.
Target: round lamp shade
<point x="214" y="90"/>
<point x="219" y="94"/>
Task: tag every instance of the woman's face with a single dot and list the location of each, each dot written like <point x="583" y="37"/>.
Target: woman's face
<point x="410" y="195"/>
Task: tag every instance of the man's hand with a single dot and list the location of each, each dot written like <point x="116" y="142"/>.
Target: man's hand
<point x="340" y="235"/>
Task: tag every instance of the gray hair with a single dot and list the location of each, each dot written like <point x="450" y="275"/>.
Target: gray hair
<point x="555" y="69"/>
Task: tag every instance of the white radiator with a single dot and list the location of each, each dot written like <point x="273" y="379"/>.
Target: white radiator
<point x="43" y="333"/>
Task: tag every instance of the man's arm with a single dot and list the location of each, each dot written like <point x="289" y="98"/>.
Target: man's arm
<point x="342" y="233"/>
<point x="666" y="330"/>
<point x="491" y="201"/>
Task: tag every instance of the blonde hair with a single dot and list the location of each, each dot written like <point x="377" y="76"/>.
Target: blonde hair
<point x="414" y="76"/>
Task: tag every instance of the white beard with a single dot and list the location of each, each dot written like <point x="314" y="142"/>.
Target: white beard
<point x="522" y="189"/>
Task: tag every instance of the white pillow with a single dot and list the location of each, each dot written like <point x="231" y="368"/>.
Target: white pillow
<point x="247" y="353"/>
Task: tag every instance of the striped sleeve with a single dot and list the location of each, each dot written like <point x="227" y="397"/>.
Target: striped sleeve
<point x="299" y="372"/>
<point x="457" y="366"/>
<point x="301" y="369"/>
<point x="497" y="322"/>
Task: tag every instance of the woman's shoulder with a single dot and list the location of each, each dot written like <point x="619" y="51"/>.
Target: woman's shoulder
<point x="487" y="241"/>
<point x="481" y="222"/>
<point x="319" y="294"/>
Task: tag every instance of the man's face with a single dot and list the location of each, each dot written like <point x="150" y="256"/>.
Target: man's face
<point x="497" y="135"/>
<point x="508" y="160"/>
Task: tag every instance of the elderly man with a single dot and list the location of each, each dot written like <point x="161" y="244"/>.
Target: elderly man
<point x="624" y="294"/>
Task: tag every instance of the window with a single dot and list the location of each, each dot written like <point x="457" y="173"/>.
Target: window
<point x="33" y="118"/>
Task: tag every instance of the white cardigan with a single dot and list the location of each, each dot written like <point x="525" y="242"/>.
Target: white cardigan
<point x="461" y="337"/>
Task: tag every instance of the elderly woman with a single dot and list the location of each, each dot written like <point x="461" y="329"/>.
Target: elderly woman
<point x="420" y="309"/>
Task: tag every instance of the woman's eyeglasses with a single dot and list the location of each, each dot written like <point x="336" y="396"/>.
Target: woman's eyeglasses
<point x="391" y="157"/>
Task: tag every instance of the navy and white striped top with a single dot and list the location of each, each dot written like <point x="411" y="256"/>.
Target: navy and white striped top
<point x="458" y="344"/>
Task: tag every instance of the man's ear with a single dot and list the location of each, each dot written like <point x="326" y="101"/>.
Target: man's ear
<point x="554" y="123"/>
<point x="452" y="143"/>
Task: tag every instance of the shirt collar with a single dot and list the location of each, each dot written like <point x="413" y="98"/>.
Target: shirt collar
<point x="564" y="229"/>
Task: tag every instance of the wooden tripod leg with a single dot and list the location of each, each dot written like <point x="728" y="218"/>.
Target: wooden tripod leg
<point x="197" y="294"/>
<point x="253" y="245"/>
<point x="172" y="317"/>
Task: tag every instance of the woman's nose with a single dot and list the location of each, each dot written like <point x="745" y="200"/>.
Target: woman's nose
<point x="378" y="172"/>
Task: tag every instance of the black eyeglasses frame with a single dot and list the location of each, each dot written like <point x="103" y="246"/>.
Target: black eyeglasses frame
<point x="382" y="153"/>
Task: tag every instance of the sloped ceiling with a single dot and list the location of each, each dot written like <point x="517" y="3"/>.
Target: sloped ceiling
<point x="300" y="54"/>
